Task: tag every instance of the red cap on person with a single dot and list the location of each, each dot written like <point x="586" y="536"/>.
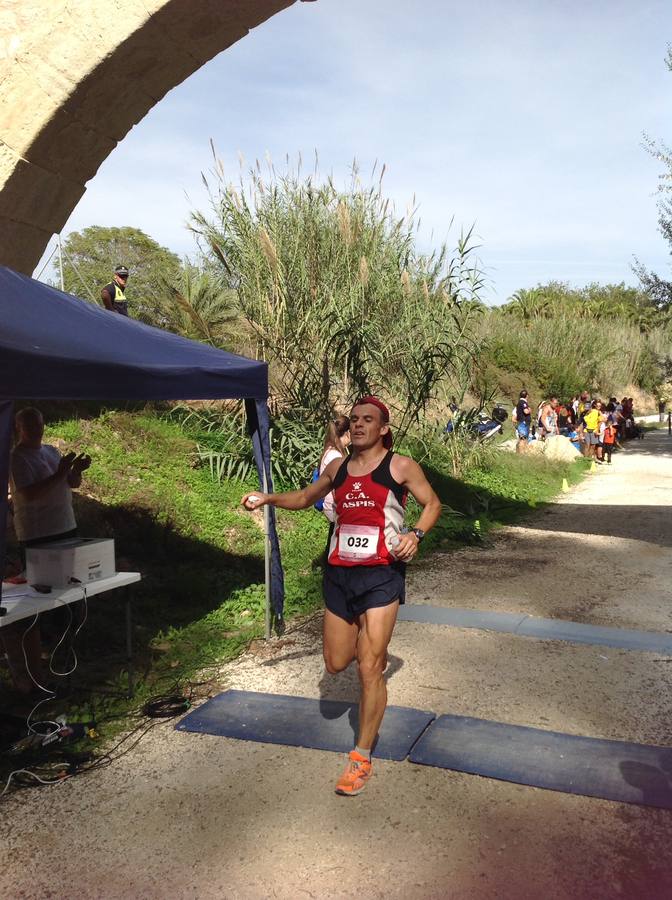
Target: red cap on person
<point x="374" y="401"/>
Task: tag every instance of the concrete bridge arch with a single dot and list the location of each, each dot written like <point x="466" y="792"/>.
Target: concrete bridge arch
<point x="75" y="76"/>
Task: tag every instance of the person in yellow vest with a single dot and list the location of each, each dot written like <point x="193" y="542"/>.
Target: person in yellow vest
<point x="113" y="294"/>
<point x="591" y="429"/>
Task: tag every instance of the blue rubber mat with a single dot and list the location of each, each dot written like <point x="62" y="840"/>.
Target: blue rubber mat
<point x="611" y="770"/>
<point x="302" y="722"/>
<point x="545" y="629"/>
<point x="461" y="618"/>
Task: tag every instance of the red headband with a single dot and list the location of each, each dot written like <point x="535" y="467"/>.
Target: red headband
<point x="374" y="401"/>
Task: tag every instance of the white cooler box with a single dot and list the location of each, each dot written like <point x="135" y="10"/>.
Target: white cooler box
<point x="72" y="561"/>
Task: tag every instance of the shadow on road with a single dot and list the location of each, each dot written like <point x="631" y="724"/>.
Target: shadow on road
<point x="345" y="686"/>
<point x="639" y="522"/>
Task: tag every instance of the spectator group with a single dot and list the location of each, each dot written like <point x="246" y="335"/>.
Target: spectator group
<point x="596" y="428"/>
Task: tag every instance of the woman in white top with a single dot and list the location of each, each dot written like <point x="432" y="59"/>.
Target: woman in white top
<point x="336" y="442"/>
<point x="41" y="482"/>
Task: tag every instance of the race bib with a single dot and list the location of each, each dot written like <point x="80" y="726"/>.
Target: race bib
<point x="358" y="542"/>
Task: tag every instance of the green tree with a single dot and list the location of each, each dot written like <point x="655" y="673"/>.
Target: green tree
<point x="527" y="304"/>
<point x="594" y="301"/>
<point x="89" y="258"/>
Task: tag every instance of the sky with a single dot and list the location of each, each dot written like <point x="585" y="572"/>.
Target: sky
<point x="524" y="119"/>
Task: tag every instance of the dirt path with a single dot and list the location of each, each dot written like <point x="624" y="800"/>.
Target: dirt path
<point x="200" y="816"/>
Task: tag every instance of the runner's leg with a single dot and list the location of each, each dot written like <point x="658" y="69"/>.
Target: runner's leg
<point x="339" y="642"/>
<point x="376" y="626"/>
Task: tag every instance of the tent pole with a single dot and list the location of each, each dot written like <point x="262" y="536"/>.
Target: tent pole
<point x="6" y="424"/>
<point x="259" y="427"/>
<point x="267" y="557"/>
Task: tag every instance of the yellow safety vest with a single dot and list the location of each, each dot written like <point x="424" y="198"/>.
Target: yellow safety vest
<point x="119" y="296"/>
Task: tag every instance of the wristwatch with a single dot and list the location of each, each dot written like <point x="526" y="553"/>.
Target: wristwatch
<point x="419" y="533"/>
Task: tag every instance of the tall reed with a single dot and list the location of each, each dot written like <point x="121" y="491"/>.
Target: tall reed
<point x="335" y="293"/>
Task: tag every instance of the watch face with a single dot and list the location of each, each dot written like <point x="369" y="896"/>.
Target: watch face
<point x="419" y="533"/>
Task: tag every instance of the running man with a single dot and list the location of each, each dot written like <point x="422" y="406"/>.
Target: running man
<point x="364" y="580"/>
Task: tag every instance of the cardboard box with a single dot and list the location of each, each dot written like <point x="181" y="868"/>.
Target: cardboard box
<point x="72" y="561"/>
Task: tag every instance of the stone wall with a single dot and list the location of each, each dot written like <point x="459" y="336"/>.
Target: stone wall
<point x="75" y="76"/>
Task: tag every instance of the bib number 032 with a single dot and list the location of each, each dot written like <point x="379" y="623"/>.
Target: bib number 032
<point x="358" y="542"/>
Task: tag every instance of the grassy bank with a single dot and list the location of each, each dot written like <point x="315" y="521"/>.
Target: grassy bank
<point x="201" y="556"/>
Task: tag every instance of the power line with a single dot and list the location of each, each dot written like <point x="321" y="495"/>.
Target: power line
<point x="79" y="275"/>
<point x="51" y="256"/>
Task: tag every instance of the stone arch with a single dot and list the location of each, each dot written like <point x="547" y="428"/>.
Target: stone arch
<point x="75" y="76"/>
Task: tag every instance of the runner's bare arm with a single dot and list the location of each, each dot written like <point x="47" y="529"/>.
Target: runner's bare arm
<point x="296" y="499"/>
<point x="407" y="472"/>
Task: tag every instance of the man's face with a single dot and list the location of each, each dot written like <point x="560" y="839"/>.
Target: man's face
<point x="366" y="426"/>
<point x="30" y="429"/>
<point x="121" y="280"/>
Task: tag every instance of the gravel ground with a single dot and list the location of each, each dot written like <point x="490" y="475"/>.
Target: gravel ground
<point x="188" y="815"/>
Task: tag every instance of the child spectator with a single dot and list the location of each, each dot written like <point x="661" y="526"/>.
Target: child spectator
<point x="573" y="435"/>
<point x="609" y="440"/>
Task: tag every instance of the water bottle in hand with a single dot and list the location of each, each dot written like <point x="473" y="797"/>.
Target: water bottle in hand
<point x="396" y="540"/>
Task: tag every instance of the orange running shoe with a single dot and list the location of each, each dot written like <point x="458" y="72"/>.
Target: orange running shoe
<point x="356" y="774"/>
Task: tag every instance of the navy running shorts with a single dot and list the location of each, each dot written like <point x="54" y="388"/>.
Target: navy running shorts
<point x="351" y="590"/>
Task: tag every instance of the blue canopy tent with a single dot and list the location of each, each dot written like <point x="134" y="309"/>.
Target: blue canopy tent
<point x="56" y="347"/>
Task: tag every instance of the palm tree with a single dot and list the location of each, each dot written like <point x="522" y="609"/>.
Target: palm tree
<point x="202" y="307"/>
<point x="527" y="304"/>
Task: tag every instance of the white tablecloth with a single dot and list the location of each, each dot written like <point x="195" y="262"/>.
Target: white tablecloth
<point x="22" y="601"/>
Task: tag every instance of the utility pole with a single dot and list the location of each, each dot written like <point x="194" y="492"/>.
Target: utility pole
<point x="60" y="262"/>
